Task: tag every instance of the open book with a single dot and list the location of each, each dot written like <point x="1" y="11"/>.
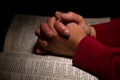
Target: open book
<point x="18" y="62"/>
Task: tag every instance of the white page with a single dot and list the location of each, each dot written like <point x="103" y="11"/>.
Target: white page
<point x="20" y="66"/>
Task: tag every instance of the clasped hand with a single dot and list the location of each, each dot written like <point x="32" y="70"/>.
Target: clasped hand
<point x="61" y="34"/>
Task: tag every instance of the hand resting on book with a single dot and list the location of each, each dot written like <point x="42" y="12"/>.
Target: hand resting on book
<point x="58" y="44"/>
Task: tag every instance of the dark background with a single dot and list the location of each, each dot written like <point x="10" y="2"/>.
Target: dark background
<point x="48" y="7"/>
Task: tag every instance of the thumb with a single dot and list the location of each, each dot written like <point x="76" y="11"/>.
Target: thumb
<point x="63" y="16"/>
<point x="69" y="17"/>
<point x="58" y="15"/>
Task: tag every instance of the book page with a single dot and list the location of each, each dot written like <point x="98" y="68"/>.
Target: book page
<point x="19" y="62"/>
<point x="93" y="21"/>
<point x="21" y="33"/>
<point x="20" y="66"/>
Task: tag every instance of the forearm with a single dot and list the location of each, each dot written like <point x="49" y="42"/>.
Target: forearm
<point x="96" y="58"/>
<point x="107" y="33"/>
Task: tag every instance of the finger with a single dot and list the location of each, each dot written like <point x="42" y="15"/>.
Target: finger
<point x="37" y="31"/>
<point x="51" y="23"/>
<point x="39" y="51"/>
<point x="58" y="15"/>
<point x="69" y="17"/>
<point x="42" y="43"/>
<point x="61" y="28"/>
<point x="45" y="30"/>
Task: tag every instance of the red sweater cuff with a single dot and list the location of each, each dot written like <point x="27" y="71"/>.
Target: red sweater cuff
<point x="88" y="54"/>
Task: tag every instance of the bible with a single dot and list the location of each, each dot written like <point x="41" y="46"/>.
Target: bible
<point x="18" y="61"/>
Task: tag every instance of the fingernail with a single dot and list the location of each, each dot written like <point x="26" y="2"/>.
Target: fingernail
<point x="66" y="32"/>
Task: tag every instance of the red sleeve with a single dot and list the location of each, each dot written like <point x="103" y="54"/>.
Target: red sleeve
<point x="102" y="61"/>
<point x="109" y="33"/>
<point x="101" y="56"/>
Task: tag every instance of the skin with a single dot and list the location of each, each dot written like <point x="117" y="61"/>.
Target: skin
<point x="59" y="45"/>
<point x="67" y="18"/>
<point x="59" y="24"/>
<point x="73" y="17"/>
